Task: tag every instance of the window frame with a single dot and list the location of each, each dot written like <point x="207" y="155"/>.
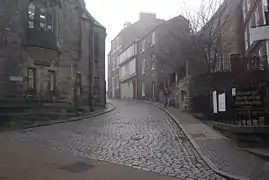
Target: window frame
<point x="153" y="62"/>
<point x="31" y="15"/>
<point x="153" y="65"/>
<point x="78" y="84"/>
<point x="31" y="78"/>
<point x="52" y="80"/>
<point x="40" y="17"/>
<point x="153" y="38"/>
<point x="143" y="45"/>
<point x="143" y="65"/>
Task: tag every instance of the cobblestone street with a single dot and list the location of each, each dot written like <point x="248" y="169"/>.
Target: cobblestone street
<point x="135" y="134"/>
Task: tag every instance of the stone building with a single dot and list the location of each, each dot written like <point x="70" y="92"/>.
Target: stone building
<point x="51" y="51"/>
<point x="161" y="57"/>
<point x="256" y="26"/>
<point x="128" y="71"/>
<point x="128" y="34"/>
<point x="222" y="37"/>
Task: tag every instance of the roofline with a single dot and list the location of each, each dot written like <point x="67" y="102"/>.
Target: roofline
<point x="129" y="27"/>
<point x="95" y="22"/>
<point x="161" y="24"/>
<point x="127" y="46"/>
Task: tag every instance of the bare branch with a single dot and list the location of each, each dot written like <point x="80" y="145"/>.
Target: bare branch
<point x="207" y="28"/>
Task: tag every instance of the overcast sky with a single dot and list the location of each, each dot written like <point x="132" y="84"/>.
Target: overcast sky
<point x="113" y="13"/>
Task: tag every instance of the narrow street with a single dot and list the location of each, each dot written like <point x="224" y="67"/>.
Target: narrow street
<point x="135" y="134"/>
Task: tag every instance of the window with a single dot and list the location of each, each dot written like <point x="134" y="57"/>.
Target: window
<point x="42" y="19"/>
<point x="117" y="82"/>
<point x="257" y="18"/>
<point x="78" y="84"/>
<point x="153" y="62"/>
<point x="113" y="64"/>
<point x="266" y="11"/>
<point x="153" y="40"/>
<point x="153" y="65"/>
<point x="113" y="83"/>
<point x="143" y="66"/>
<point x="153" y="90"/>
<point x="127" y="69"/>
<point x="129" y="52"/>
<point x="117" y="61"/>
<point x="31" y="15"/>
<point x="96" y="46"/>
<point x="182" y="94"/>
<point x="143" y="45"/>
<point x="31" y="78"/>
<point x="49" y="21"/>
<point x="143" y="88"/>
<point x="52" y="80"/>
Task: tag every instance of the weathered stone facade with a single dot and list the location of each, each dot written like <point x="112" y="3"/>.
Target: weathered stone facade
<point x="161" y="56"/>
<point x="227" y="24"/>
<point x="51" y="59"/>
<point x="130" y="33"/>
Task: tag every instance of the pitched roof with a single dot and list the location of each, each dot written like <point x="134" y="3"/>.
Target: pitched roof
<point x="161" y="24"/>
<point x="88" y="15"/>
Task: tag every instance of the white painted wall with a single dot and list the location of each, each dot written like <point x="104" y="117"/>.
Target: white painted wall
<point x="127" y="90"/>
<point x="129" y="52"/>
<point x="128" y="69"/>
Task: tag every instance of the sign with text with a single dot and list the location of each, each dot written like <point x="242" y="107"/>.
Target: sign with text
<point x="222" y="102"/>
<point x="248" y="98"/>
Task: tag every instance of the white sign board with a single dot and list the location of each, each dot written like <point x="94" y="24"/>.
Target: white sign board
<point x="215" y="102"/>
<point x="16" y="78"/>
<point x="222" y="102"/>
<point x="259" y="33"/>
<point x="233" y="91"/>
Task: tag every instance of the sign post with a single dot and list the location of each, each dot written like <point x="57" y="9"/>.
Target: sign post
<point x="215" y="102"/>
<point x="222" y="102"/>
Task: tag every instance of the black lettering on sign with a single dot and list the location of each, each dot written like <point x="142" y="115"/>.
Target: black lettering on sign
<point x="248" y="98"/>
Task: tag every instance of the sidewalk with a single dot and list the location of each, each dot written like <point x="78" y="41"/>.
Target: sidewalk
<point x="20" y="162"/>
<point x="219" y="152"/>
<point x="109" y="107"/>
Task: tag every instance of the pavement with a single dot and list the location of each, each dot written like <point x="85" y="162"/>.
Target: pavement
<point x="220" y="153"/>
<point x="136" y="140"/>
<point x="21" y="162"/>
<point x="40" y="123"/>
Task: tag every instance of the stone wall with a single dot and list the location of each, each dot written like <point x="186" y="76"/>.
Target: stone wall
<point x="99" y="67"/>
<point x="73" y="35"/>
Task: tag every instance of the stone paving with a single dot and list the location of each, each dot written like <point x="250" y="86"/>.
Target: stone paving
<point x="135" y="134"/>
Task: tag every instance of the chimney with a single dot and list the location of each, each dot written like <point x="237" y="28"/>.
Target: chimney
<point x="147" y="16"/>
<point x="127" y="24"/>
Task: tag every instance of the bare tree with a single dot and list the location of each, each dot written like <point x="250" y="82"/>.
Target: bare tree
<point x="207" y="30"/>
<point x="202" y="41"/>
<point x="173" y="45"/>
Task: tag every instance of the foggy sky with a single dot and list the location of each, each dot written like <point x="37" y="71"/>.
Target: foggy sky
<point x="113" y="13"/>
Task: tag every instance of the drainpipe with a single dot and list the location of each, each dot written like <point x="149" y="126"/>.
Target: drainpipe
<point x="91" y="57"/>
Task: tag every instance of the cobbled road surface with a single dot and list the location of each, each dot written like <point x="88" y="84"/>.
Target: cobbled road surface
<point x="135" y="134"/>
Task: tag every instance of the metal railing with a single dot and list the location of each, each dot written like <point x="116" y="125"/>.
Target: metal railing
<point x="245" y="118"/>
